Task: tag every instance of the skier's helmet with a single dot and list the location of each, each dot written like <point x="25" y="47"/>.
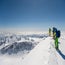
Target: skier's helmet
<point x="54" y="29"/>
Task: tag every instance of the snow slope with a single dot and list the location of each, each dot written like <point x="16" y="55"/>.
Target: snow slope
<point x="39" y="55"/>
<point x="43" y="54"/>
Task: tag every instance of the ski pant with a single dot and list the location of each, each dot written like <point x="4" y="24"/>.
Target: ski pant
<point x="56" y="43"/>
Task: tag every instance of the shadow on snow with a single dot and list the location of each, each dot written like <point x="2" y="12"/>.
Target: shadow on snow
<point x="61" y="54"/>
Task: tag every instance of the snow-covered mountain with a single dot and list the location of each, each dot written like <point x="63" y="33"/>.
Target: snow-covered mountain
<point x="12" y="43"/>
<point x="36" y="49"/>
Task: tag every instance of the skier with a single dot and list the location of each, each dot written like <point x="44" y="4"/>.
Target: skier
<point x="54" y="35"/>
<point x="57" y="35"/>
<point x="56" y="43"/>
<point x="49" y="31"/>
<point x="54" y="32"/>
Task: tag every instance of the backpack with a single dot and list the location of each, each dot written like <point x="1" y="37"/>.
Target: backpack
<point x="58" y="33"/>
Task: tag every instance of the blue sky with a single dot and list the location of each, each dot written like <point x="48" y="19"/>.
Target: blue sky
<point x="32" y="14"/>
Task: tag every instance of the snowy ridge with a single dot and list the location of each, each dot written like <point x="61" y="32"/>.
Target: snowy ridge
<point x="46" y="54"/>
<point x="43" y="53"/>
<point x="39" y="55"/>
